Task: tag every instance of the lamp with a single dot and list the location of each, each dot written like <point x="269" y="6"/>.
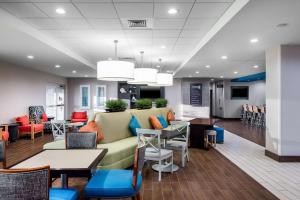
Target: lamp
<point x="143" y="75"/>
<point x="163" y="79"/>
<point x="115" y="70"/>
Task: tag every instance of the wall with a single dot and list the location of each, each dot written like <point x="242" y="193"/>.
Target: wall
<point x="22" y="87"/>
<point x="257" y="96"/>
<point x="74" y="92"/>
<point x="173" y="95"/>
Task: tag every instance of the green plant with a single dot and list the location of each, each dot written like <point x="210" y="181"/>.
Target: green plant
<point x="161" y="103"/>
<point x="116" y="105"/>
<point x="144" y="103"/>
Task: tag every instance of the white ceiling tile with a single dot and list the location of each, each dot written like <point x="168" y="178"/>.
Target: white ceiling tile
<point x="41" y="23"/>
<point x="23" y="9"/>
<point x="168" y="23"/>
<point x="111" y="35"/>
<point x="105" y="23"/>
<point x="192" y="33"/>
<point x="215" y="1"/>
<point x="10" y="1"/>
<point x="97" y="10"/>
<point x="161" y="10"/>
<point x="91" y="1"/>
<point x="140" y="41"/>
<point x="135" y="10"/>
<point x="49" y="9"/>
<point x="133" y="1"/>
<point x="174" y="1"/>
<point x="188" y="41"/>
<point x="164" y="41"/>
<point x="76" y="24"/>
<point x="48" y="1"/>
<point x="209" y="10"/>
<point x="200" y="24"/>
<point x="138" y="33"/>
<point x="166" y="33"/>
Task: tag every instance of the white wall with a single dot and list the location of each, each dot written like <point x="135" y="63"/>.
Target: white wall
<point x="257" y="96"/>
<point x="74" y="92"/>
<point x="173" y="95"/>
<point x="22" y="87"/>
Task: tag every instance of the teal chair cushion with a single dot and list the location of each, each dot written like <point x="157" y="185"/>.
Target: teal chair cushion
<point x="133" y="125"/>
<point x="162" y="121"/>
<point x="114" y="183"/>
<point x="63" y="194"/>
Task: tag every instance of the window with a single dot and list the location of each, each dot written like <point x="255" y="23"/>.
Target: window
<point x="85" y="96"/>
<point x="100" y="96"/>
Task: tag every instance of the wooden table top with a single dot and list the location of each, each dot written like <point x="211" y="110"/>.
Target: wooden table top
<point x="203" y="121"/>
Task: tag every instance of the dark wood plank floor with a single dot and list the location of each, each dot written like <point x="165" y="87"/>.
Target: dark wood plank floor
<point x="208" y="176"/>
<point x="252" y="133"/>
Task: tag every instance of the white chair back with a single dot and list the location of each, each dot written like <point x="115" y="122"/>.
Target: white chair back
<point x="58" y="129"/>
<point x="183" y="125"/>
<point x="152" y="140"/>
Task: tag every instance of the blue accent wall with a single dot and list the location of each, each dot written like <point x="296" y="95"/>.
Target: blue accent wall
<point x="251" y="78"/>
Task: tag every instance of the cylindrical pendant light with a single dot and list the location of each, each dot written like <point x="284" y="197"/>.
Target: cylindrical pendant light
<point x="163" y="79"/>
<point x="115" y="70"/>
<point x="143" y="75"/>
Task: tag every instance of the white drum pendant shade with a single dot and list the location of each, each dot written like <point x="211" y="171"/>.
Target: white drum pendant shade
<point x="163" y="79"/>
<point x="144" y="76"/>
<point x="115" y="70"/>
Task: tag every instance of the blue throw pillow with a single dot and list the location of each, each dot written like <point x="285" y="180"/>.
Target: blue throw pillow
<point x="133" y="125"/>
<point x="162" y="121"/>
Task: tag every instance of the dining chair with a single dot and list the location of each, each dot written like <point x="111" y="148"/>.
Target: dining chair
<point x="154" y="150"/>
<point x="31" y="184"/>
<point x="81" y="140"/>
<point x="58" y="129"/>
<point x="118" y="183"/>
<point x="180" y="143"/>
<point x="2" y="154"/>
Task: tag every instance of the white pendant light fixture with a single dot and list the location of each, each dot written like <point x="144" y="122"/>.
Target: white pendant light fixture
<point x="143" y="75"/>
<point x="115" y="70"/>
<point x="163" y="79"/>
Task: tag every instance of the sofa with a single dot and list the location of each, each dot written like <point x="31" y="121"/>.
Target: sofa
<point x="117" y="136"/>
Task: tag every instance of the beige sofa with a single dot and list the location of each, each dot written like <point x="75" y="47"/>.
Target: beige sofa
<point x="117" y="136"/>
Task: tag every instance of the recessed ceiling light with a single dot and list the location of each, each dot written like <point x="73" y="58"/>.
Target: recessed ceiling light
<point x="57" y="66"/>
<point x="74" y="71"/>
<point x="172" y="11"/>
<point x="197" y="72"/>
<point x="235" y="72"/>
<point x="163" y="47"/>
<point x="60" y="11"/>
<point x="221" y="76"/>
<point x="254" y="40"/>
<point x="86" y="76"/>
<point x="30" y="57"/>
<point x="255" y="66"/>
<point x="224" y="57"/>
<point x="207" y="66"/>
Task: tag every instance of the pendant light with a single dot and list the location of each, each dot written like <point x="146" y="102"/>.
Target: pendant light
<point x="163" y="79"/>
<point x="143" y="75"/>
<point x="115" y="70"/>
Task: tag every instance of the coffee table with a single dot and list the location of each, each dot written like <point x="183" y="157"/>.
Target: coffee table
<point x="66" y="163"/>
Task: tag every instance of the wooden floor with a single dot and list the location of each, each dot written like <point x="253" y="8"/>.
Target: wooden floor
<point x="252" y="133"/>
<point x="209" y="176"/>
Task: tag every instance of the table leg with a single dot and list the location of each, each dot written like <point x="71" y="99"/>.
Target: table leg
<point x="64" y="180"/>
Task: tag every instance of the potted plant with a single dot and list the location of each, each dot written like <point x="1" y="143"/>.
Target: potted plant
<point x="116" y="105"/>
<point x="144" y="104"/>
<point x="161" y="103"/>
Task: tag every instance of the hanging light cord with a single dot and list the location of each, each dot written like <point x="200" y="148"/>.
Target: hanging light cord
<point x="142" y="59"/>
<point x="116" y="49"/>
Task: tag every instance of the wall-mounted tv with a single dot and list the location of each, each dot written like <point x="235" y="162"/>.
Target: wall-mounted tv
<point x="150" y="92"/>
<point x="239" y="92"/>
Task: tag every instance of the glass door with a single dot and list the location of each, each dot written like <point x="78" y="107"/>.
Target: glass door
<point x="55" y="102"/>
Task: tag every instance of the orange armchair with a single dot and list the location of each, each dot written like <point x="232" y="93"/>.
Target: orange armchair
<point x="79" y="117"/>
<point x="28" y="127"/>
<point x="4" y="134"/>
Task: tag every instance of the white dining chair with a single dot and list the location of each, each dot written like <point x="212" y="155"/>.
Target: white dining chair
<point x="58" y="129"/>
<point x="154" y="152"/>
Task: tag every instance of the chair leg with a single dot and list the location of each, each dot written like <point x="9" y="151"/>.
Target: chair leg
<point x="159" y="170"/>
<point x="182" y="157"/>
<point x="172" y="164"/>
<point x="32" y="135"/>
<point x="138" y="196"/>
<point x="187" y="154"/>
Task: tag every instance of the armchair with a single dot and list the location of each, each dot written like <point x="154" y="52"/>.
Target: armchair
<point x="38" y="115"/>
<point x="79" y="117"/>
<point x="28" y="127"/>
<point x="4" y="134"/>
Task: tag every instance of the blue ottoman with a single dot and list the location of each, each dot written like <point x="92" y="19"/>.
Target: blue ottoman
<point x="220" y="134"/>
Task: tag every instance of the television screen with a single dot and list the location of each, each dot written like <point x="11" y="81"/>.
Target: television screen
<point x="239" y="92"/>
<point x="149" y="92"/>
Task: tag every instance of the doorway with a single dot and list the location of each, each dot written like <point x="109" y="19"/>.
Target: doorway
<point x="55" y="101"/>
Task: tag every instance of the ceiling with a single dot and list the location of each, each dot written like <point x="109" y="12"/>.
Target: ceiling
<point x="198" y="35"/>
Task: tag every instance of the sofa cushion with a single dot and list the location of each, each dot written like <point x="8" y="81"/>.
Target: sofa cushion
<point x="170" y="116"/>
<point x="143" y="116"/>
<point x="92" y="127"/>
<point x="114" y="126"/>
<point x="63" y="194"/>
<point x="36" y="128"/>
<point x="133" y="125"/>
<point x="44" y="117"/>
<point x="155" y="122"/>
<point x="23" y="120"/>
<point x="79" y="120"/>
<point x="162" y="121"/>
<point x="164" y="112"/>
<point x="5" y="135"/>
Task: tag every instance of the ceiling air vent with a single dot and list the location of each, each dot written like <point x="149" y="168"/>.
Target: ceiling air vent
<point x="137" y="23"/>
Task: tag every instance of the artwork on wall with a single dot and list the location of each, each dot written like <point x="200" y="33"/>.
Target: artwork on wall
<point x="196" y="94"/>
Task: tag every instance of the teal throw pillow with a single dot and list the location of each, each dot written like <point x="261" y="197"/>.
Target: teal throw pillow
<point x="162" y="121"/>
<point x="133" y="125"/>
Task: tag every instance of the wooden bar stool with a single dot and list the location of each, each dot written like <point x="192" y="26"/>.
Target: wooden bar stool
<point x="212" y="135"/>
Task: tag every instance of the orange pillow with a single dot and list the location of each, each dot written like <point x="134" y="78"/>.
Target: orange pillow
<point x="155" y="122"/>
<point x="170" y="116"/>
<point x="92" y="127"/>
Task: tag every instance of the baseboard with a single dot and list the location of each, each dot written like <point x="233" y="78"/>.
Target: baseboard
<point x="279" y="158"/>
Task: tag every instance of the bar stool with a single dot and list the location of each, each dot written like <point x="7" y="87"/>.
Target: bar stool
<point x="211" y="138"/>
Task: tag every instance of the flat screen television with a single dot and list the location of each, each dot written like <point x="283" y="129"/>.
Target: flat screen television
<point x="239" y="92"/>
<point x="150" y="92"/>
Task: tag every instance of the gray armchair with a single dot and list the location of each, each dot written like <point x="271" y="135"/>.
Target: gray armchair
<point x="35" y="114"/>
<point x="81" y="140"/>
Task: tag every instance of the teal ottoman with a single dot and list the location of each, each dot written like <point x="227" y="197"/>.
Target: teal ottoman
<point x="220" y="134"/>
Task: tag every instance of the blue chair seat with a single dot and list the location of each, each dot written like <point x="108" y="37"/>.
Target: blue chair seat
<point x="112" y="183"/>
<point x="220" y="134"/>
<point x="63" y="194"/>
